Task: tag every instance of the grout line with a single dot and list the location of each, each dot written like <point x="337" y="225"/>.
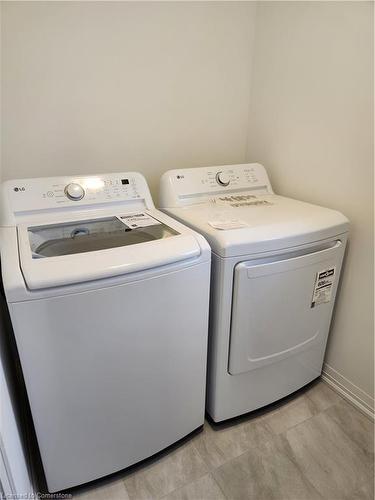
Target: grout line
<point x="219" y="486"/>
<point x="308" y="418"/>
<point x="344" y="428"/>
<point x="126" y="489"/>
<point x="207" y="473"/>
<point x="277" y="434"/>
<point x="353" y="443"/>
<point x="210" y="470"/>
<point x="290" y="457"/>
<point x="209" y="467"/>
<point x="333" y="404"/>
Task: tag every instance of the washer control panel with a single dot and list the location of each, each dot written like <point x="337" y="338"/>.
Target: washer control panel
<point x="27" y="195"/>
<point x="193" y="185"/>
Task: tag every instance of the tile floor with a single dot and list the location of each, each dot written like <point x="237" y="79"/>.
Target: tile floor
<point x="313" y="445"/>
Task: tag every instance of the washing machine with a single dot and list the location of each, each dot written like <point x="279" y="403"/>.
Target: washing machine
<point x="108" y="299"/>
<point x="276" y="265"/>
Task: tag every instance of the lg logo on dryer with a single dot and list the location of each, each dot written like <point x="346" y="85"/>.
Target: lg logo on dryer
<point x="19" y="189"/>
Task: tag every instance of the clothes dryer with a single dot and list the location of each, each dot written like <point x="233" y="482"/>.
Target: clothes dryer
<point x="276" y="264"/>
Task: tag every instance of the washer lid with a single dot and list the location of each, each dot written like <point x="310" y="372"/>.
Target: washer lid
<point x="83" y="236"/>
<point x="83" y="250"/>
<point x="246" y="224"/>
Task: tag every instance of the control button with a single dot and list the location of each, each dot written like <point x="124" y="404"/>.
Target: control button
<point x="223" y="179"/>
<point x="50" y="194"/>
<point x="74" y="191"/>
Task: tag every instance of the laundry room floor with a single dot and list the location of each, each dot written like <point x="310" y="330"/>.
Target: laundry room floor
<point x="312" y="445"/>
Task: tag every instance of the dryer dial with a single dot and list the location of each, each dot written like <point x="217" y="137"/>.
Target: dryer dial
<point x="223" y="179"/>
<point x="74" y="191"/>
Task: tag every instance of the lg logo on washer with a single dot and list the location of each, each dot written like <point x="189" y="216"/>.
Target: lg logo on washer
<point x="19" y="189"/>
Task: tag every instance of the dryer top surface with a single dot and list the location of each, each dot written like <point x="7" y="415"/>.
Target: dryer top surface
<point x="249" y="223"/>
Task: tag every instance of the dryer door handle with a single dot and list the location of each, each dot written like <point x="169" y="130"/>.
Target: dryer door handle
<point x="318" y="250"/>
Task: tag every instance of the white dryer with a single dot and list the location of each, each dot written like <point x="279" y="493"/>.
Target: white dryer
<point x="275" y="268"/>
<point x="108" y="299"/>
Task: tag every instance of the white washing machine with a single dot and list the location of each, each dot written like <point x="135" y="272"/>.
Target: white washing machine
<point x="108" y="299"/>
<point x="275" y="268"/>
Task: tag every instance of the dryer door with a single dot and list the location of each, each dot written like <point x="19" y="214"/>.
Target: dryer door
<point x="282" y="305"/>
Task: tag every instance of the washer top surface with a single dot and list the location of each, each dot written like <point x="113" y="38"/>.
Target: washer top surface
<point x="67" y="230"/>
<point x="245" y="216"/>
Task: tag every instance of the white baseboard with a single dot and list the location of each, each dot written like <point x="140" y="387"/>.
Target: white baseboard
<point x="352" y="393"/>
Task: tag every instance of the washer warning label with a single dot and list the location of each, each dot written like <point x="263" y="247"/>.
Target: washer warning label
<point x="134" y="221"/>
<point x="323" y="286"/>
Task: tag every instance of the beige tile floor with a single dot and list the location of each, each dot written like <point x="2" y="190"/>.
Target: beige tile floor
<point x="314" y="445"/>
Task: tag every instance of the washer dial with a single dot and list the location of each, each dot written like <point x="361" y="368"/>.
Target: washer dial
<point x="223" y="179"/>
<point x="74" y="191"/>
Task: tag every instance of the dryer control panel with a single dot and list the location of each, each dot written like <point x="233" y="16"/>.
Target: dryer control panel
<point x="23" y="197"/>
<point x="193" y="185"/>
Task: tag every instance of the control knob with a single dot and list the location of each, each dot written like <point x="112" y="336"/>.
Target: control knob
<point x="223" y="179"/>
<point x="74" y="191"/>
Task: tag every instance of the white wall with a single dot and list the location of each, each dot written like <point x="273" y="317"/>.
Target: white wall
<point x="311" y="125"/>
<point x="14" y="473"/>
<point x="111" y="86"/>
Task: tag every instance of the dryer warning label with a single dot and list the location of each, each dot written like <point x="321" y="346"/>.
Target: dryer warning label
<point x="323" y="286"/>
